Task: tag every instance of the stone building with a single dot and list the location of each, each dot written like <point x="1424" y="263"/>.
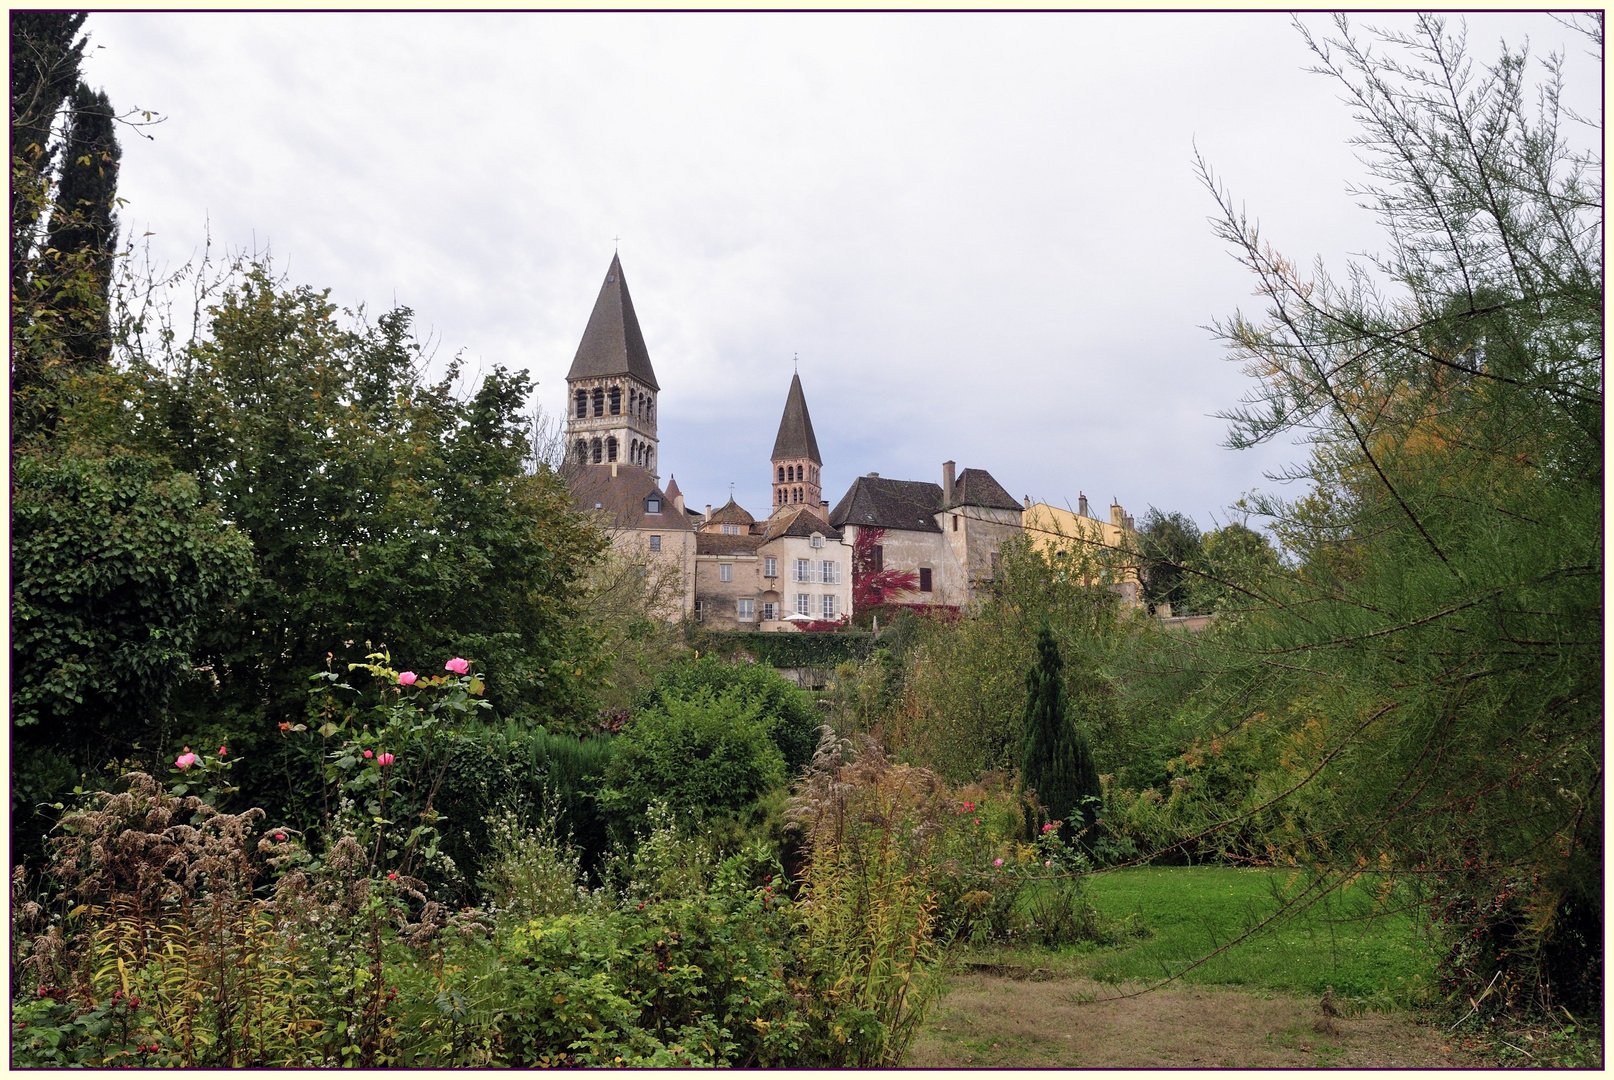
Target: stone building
<point x="1074" y="534"/>
<point x="947" y="535"/>
<point x="789" y="570"/>
<point x="612" y="447"/>
<point x="794" y="567"/>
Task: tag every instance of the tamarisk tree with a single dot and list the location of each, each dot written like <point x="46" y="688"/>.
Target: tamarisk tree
<point x="1430" y="656"/>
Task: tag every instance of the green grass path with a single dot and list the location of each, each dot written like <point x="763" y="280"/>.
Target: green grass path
<point x="1193" y="910"/>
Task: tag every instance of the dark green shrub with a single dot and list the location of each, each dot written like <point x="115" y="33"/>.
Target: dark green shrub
<point x="705" y="755"/>
<point x="783" y="709"/>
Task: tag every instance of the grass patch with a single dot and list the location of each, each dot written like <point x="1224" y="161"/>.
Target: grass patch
<point x="1192" y="910"/>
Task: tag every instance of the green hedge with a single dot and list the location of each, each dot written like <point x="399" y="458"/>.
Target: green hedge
<point x="785" y="650"/>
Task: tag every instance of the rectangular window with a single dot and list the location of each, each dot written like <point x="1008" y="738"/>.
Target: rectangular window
<point x="879" y="558"/>
<point x="770" y="611"/>
<point x="955" y="522"/>
<point x="747" y="609"/>
<point x="803" y="570"/>
<point x="832" y="572"/>
<point x="770" y="567"/>
<point x="731" y="530"/>
<point x="829" y="605"/>
<point x="818" y="541"/>
<point x="700" y="611"/>
<point x="655" y="542"/>
<point x="803" y="604"/>
<point x="725" y="571"/>
<point x="924" y="579"/>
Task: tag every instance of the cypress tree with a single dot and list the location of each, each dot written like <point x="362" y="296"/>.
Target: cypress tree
<point x="1058" y="763"/>
<point x="84" y="228"/>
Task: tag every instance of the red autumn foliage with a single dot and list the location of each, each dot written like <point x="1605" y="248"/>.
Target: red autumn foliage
<point x="870" y="582"/>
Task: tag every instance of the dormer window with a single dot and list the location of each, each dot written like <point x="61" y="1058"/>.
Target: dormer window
<point x="731" y="530"/>
<point x="652" y="505"/>
<point x="818" y="540"/>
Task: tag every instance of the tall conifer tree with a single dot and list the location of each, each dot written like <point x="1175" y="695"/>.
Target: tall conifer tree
<point x="1058" y="763"/>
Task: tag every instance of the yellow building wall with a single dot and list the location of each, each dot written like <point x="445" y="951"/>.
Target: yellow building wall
<point x="1053" y="529"/>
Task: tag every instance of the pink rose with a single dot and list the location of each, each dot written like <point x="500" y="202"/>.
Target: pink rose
<point x="406" y="678"/>
<point x="369" y="753"/>
<point x="459" y="665"/>
<point x="385" y="760"/>
<point x="185" y="760"/>
<point x="997" y="862"/>
<point x="280" y="836"/>
<point x="1048" y="828"/>
<point x="221" y="751"/>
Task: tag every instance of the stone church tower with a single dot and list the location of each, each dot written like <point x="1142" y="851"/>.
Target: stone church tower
<point x="796" y="463"/>
<point x="611" y="387"/>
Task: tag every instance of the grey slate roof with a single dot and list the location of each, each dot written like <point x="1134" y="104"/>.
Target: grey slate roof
<point x="889" y="504"/>
<point x="976" y="487"/>
<point x="612" y="343"/>
<point x="796" y="438"/>
<point x="718" y="544"/>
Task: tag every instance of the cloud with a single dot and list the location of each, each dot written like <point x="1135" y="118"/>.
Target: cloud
<point x="981" y="233"/>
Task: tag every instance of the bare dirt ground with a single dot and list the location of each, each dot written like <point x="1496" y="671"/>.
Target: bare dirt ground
<point x="1019" y="1019"/>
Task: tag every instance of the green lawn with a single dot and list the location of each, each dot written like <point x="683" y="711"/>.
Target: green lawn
<point x="1192" y="910"/>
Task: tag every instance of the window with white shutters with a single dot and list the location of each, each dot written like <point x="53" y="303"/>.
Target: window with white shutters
<point x="829" y="605"/>
<point x="803" y="604"/>
<point x="830" y="572"/>
<point x="803" y="570"/>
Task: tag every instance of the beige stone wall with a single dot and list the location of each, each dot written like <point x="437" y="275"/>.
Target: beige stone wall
<point x="719" y="598"/>
<point x="975" y="534"/>
<point x="675" y="559"/>
<point x="909" y="551"/>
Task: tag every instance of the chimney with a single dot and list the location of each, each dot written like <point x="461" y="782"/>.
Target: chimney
<point x="1117" y="515"/>
<point x="708" y="511"/>
<point x="947" y="483"/>
<point x="1081" y="506"/>
<point x="1028" y="502"/>
<point x="613" y="468"/>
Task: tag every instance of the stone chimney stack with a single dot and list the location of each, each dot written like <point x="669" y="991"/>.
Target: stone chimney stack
<point x="947" y="483"/>
<point x="1081" y="506"/>
<point x="1117" y="515"/>
<point x="708" y="511"/>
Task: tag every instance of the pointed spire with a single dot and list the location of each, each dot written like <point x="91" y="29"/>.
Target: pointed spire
<point x="613" y="344"/>
<point x="796" y="437"/>
<point x="672" y="487"/>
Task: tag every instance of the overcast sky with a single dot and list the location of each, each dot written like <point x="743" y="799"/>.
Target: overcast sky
<point x="981" y="234"/>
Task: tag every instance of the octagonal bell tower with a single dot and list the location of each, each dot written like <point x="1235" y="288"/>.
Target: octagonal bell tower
<point x="611" y="387"/>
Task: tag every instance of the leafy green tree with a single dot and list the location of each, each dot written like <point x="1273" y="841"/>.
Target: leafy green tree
<point x="1170" y="544"/>
<point x="380" y="508"/>
<point x="118" y="569"/>
<point x="1434" y="656"/>
<point x="1058" y="763"/>
<point x="1233" y="564"/>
